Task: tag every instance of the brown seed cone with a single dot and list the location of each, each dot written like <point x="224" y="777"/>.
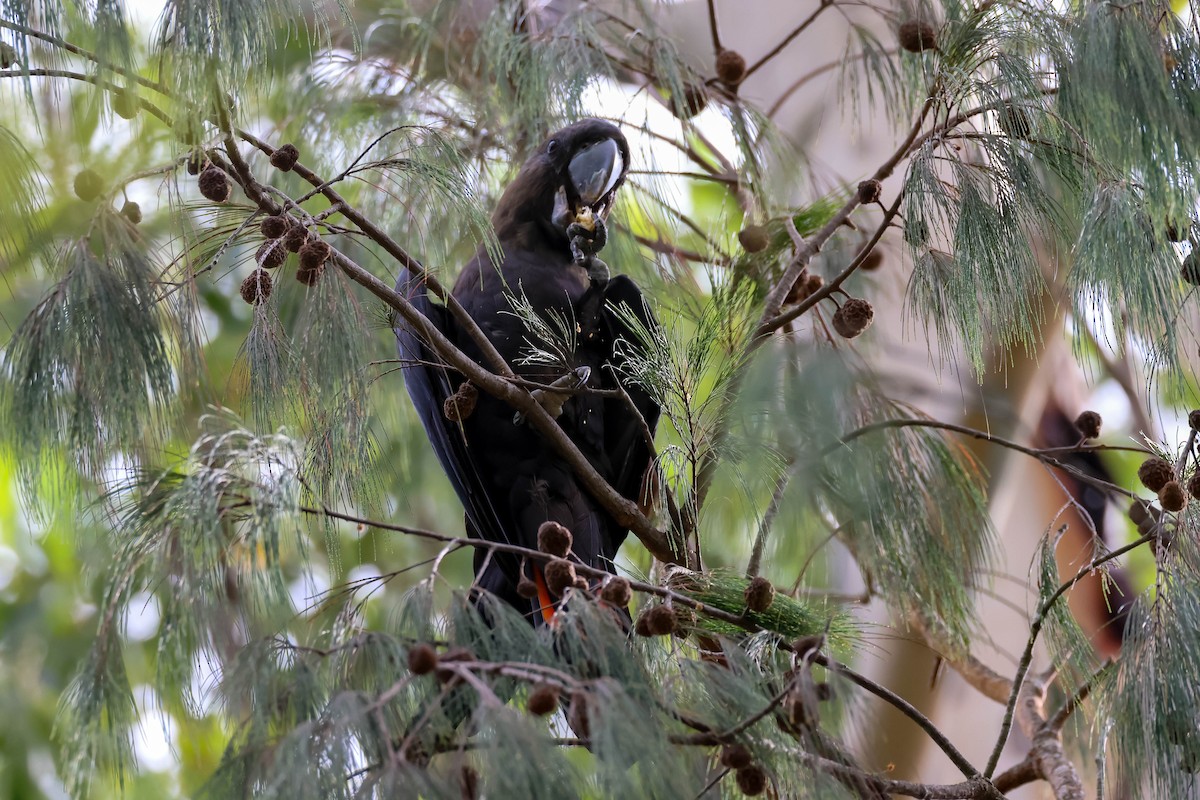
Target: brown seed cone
<point x="685" y="621"/>
<point x="1189" y="761"/>
<point x="88" y="185"/>
<point x="554" y="539"/>
<point x="314" y="254"/>
<point x="527" y="588"/>
<point x="195" y="163"/>
<point x="692" y="102"/>
<point x="661" y="621"/>
<point x="285" y="157"/>
<point x="214" y="184"/>
<point x="802" y="704"/>
<point x="560" y="576"/>
<point x="1154" y="473"/>
<point x="752" y="780"/>
<point x="459" y="654"/>
<point x="759" y="594"/>
<point x="754" y="238"/>
<point x="617" y="592"/>
<point x="1179" y="727"/>
<point x="125" y="104"/>
<point x="422" y="659"/>
<point x="1139" y="512"/>
<point x="8" y="55"/>
<point x="295" y="238"/>
<point x="276" y="226"/>
<point x="1193" y="485"/>
<point x="735" y="756"/>
<point x="731" y="67"/>
<point x="1172" y="497"/>
<point x="581" y="583"/>
<point x="806" y="286"/>
<point x="132" y="212"/>
<point x="916" y="35"/>
<point x="1147" y="517"/>
<point x="1014" y="121"/>
<point x="853" y="317"/>
<point x="579" y="714"/>
<point x="1088" y="423"/>
<point x="641" y="625"/>
<point x="270" y="255"/>
<point x="873" y="261"/>
<point x="257" y="287"/>
<point x="916" y="233"/>
<point x="543" y="699"/>
<point x="869" y="191"/>
<point x="801" y="710"/>
<point x="1190" y="271"/>
<point x="796" y="293"/>
<point x="1194" y="419"/>
<point x="805" y="644"/>
<point x="468" y="782"/>
<point x="461" y="404"/>
<point x="309" y="277"/>
<point x="824" y="691"/>
<point x="1177" y="231"/>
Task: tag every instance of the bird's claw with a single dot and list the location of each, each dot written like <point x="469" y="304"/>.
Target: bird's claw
<point x="585" y="244"/>
<point x="553" y="401"/>
<point x="588" y="240"/>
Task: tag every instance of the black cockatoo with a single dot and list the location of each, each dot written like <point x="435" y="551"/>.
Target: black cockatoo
<point x="550" y="222"/>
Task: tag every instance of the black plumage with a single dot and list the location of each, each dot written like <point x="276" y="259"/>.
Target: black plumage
<point x="508" y="478"/>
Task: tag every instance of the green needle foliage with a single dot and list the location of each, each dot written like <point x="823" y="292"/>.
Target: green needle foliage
<point x="90" y="368"/>
<point x="1153" y="699"/>
<point x="1125" y="273"/>
<point x="786" y="616"/>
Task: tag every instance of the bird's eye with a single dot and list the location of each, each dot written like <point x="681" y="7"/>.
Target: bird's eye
<point x="552" y="147"/>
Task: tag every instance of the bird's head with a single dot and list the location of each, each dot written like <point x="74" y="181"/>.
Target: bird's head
<point x="576" y="170"/>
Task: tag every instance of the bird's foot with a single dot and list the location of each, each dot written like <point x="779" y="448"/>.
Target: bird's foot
<point x="597" y="271"/>
<point x="553" y="401"/>
<point x="585" y="243"/>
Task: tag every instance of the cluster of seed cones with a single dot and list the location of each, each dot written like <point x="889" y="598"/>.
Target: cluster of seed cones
<point x="285" y="234"/>
<point x="1159" y="476"/>
<point x="282" y="233"/>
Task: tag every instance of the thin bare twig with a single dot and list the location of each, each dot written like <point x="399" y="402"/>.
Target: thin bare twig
<point x="534" y="555"/>
<point x="1046" y="455"/>
<point x="829" y="537"/>
<point x="62" y="44"/>
<point x="805" y="78"/>
<point x="1181" y="462"/>
<point x="1035" y="629"/>
<point x="1073" y="702"/>
<point x="716" y="34"/>
<point x="769" y="325"/>
<point x="93" y="79"/>
<point x="777" y="49"/>
<point x="764" y="528"/>
<point x="906" y="708"/>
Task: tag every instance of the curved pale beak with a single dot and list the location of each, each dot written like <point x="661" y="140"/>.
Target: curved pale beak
<point x="595" y="170"/>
